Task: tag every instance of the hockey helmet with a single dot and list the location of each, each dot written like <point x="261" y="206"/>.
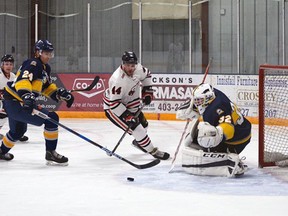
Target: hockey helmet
<point x="129" y="57"/>
<point x="7" y="58"/>
<point x="203" y="95"/>
<point x="44" y="45"/>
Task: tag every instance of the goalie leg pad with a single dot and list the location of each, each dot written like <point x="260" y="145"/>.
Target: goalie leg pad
<point x="198" y="162"/>
<point x="193" y="132"/>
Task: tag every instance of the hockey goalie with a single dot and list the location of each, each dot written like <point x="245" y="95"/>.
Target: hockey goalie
<point x="212" y="146"/>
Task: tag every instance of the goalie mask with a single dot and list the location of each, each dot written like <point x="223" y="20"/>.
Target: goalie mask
<point x="203" y="95"/>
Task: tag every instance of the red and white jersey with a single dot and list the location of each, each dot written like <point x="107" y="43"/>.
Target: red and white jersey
<point x="124" y="91"/>
<point x="4" y="80"/>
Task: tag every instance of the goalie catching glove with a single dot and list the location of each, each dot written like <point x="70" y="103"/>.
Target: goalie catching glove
<point x="147" y="95"/>
<point x="64" y="95"/>
<point x="187" y="110"/>
<point x="208" y="135"/>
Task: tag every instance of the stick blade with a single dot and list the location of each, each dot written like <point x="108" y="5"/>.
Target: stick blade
<point x="148" y="165"/>
<point x="94" y="82"/>
<point x="90" y="87"/>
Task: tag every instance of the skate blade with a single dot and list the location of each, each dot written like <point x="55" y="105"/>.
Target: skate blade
<point x="53" y="163"/>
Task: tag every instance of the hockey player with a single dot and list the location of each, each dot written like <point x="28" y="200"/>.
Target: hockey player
<point x="122" y="100"/>
<point x="213" y="145"/>
<point x="6" y="74"/>
<point x="33" y="79"/>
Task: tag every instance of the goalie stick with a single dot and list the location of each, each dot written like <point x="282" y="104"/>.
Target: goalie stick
<point x="178" y="147"/>
<point x="187" y="122"/>
<point x="138" y="166"/>
<point x="88" y="88"/>
<point x="126" y="131"/>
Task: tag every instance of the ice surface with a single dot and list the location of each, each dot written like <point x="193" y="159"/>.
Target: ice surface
<point x="96" y="184"/>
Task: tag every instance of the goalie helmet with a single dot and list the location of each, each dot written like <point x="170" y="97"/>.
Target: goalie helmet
<point x="129" y="58"/>
<point x="203" y="95"/>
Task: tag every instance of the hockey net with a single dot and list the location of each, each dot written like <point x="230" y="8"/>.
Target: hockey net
<point x="273" y="115"/>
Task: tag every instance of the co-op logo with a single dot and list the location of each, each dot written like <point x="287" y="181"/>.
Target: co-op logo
<point x="82" y="83"/>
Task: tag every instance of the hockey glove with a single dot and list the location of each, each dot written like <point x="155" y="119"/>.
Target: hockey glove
<point x="130" y="119"/>
<point x="208" y="135"/>
<point x="28" y="102"/>
<point x="147" y="95"/>
<point x="63" y="95"/>
<point x="187" y="110"/>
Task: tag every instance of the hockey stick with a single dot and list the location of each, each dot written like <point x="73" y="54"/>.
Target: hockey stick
<point x="187" y="122"/>
<point x="126" y="131"/>
<point x="178" y="147"/>
<point x="138" y="166"/>
<point x="88" y="88"/>
<point x="207" y="70"/>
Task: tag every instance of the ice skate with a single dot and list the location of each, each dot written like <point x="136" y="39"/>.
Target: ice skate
<point x="7" y="156"/>
<point x="136" y="145"/>
<point x="159" y="154"/>
<point x="23" y="139"/>
<point x="53" y="158"/>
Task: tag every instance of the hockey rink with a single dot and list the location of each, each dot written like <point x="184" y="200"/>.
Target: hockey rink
<point x="96" y="184"/>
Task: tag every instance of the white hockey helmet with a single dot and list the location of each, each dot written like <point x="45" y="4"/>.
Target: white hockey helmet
<point x="203" y="95"/>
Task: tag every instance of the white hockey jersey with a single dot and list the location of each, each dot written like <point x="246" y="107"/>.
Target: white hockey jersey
<point x="124" y="91"/>
<point x="4" y="80"/>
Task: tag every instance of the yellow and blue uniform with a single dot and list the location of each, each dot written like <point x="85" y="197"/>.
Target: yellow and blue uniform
<point x="32" y="77"/>
<point x="236" y="128"/>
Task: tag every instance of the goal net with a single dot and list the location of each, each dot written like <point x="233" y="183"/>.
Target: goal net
<point x="273" y="115"/>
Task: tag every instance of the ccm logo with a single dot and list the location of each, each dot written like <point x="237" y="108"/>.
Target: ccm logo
<point x="214" y="155"/>
<point x="81" y="83"/>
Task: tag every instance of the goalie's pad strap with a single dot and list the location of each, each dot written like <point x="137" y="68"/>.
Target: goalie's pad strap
<point x="212" y="164"/>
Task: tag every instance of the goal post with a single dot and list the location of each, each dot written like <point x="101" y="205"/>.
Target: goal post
<point x="273" y="115"/>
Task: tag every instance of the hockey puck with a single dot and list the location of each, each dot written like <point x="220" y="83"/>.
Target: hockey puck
<point x="130" y="179"/>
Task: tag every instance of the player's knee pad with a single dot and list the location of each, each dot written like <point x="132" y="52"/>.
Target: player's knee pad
<point x="54" y="116"/>
<point x="198" y="162"/>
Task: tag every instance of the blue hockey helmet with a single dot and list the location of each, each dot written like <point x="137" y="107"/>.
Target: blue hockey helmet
<point x="44" y="45"/>
<point x="129" y="57"/>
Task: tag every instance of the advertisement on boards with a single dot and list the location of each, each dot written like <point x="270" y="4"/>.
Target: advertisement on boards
<point x="170" y="90"/>
<point x="84" y="100"/>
